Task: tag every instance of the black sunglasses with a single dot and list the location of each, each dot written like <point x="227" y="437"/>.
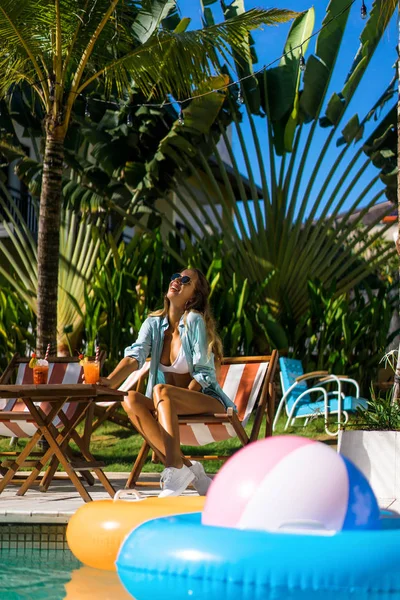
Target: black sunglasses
<point x="184" y="280"/>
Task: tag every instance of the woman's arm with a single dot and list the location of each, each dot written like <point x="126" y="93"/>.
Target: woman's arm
<point x="203" y="363"/>
<point x="123" y="369"/>
<point x="194" y="386"/>
<point x="135" y="356"/>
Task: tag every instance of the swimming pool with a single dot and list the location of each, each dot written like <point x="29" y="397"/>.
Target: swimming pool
<point x="35" y="563"/>
<point x="54" y="575"/>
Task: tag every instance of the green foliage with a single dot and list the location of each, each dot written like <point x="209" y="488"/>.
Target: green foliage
<point x="381" y="414"/>
<point x="346" y="333"/>
<point x="17" y="322"/>
<point x="292" y="225"/>
<point x="125" y="288"/>
<point x="115" y="165"/>
<point x="80" y="239"/>
<point x="114" y="43"/>
<point x="245" y="323"/>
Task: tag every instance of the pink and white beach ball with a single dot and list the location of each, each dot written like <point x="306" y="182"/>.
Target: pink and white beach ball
<point x="289" y="483"/>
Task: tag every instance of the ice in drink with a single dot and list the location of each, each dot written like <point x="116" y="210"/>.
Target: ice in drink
<point x="40" y="371"/>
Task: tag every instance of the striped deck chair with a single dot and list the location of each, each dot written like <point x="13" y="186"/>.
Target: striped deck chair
<point x="61" y="370"/>
<point x="248" y="381"/>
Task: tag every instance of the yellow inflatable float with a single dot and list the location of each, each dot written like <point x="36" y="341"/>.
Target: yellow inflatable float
<point x="97" y="529"/>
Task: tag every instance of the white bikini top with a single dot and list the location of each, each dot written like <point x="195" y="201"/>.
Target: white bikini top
<point x="179" y="365"/>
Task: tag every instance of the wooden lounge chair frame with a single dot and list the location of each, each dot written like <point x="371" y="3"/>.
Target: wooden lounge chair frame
<point x="265" y="405"/>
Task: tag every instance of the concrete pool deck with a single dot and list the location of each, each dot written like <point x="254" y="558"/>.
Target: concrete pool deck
<point x="60" y="502"/>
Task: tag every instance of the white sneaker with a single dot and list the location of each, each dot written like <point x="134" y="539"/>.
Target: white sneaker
<point x="174" y="481"/>
<point x="201" y="482"/>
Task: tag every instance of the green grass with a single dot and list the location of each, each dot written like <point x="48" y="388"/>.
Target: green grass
<point x="117" y="447"/>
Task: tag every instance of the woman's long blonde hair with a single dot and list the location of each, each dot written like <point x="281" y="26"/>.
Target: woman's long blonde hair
<point x="201" y="305"/>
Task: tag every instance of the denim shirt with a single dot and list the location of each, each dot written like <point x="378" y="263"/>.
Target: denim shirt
<point x="194" y="344"/>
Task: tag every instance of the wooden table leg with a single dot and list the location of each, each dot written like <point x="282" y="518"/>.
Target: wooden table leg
<point x="83" y="444"/>
<point x="18" y="463"/>
<point x="87" y="432"/>
<point x="57" y="410"/>
<point x="67" y="431"/>
<point x="57" y="451"/>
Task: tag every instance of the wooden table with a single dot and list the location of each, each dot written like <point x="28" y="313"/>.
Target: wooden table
<point x="56" y="395"/>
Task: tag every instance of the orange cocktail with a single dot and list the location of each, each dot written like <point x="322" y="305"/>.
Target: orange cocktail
<point x="40" y="372"/>
<point x="91" y="371"/>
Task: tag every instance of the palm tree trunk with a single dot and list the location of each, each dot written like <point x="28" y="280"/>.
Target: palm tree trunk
<point x="49" y="240"/>
<point x="396" y="387"/>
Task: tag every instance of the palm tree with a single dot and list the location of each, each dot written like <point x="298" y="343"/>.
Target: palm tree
<point x="64" y="49"/>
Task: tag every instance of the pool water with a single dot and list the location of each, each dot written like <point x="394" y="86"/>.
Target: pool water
<point x="57" y="575"/>
<point x="54" y="575"/>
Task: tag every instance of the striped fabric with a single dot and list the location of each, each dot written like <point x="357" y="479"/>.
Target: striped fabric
<point x="242" y="384"/>
<point x="58" y="373"/>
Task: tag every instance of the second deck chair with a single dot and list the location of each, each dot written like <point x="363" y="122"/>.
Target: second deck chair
<point x="245" y="380"/>
<point x="16" y="421"/>
<point x="302" y="401"/>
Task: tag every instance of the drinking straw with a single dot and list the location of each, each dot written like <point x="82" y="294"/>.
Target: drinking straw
<point x="97" y="353"/>
<point x="46" y="356"/>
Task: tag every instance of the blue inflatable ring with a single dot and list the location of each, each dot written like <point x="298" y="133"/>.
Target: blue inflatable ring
<point x="178" y="557"/>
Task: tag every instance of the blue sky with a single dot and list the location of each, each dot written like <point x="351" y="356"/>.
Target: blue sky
<point x="269" y="45"/>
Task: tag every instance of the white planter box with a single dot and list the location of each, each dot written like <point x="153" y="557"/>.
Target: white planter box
<point x="377" y="455"/>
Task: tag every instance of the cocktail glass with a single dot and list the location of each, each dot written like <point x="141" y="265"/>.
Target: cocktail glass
<point x="40" y="372"/>
<point x="91" y="370"/>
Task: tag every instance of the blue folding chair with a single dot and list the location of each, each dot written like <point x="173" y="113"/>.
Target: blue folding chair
<point x="301" y="401"/>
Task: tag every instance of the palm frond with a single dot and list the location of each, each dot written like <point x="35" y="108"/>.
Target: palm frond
<point x="187" y="58"/>
<point x="80" y="240"/>
<point x="296" y="234"/>
<point x="22" y="56"/>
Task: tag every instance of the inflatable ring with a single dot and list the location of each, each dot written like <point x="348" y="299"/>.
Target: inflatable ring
<point x="178" y="557"/>
<point x="97" y="529"/>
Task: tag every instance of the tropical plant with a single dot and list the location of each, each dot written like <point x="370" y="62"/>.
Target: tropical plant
<point x="381" y="414"/>
<point x="331" y="334"/>
<point x="125" y="288"/>
<point x="292" y="223"/>
<point x="346" y="333"/>
<point x="80" y="239"/>
<point x="64" y="49"/>
<point x="107" y="159"/>
<point x="17" y="322"/>
<point x="246" y="325"/>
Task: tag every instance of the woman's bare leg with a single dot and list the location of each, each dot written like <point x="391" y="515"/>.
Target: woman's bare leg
<point x="140" y="411"/>
<point x="170" y="402"/>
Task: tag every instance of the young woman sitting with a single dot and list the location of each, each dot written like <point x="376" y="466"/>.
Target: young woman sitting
<point x="183" y="344"/>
